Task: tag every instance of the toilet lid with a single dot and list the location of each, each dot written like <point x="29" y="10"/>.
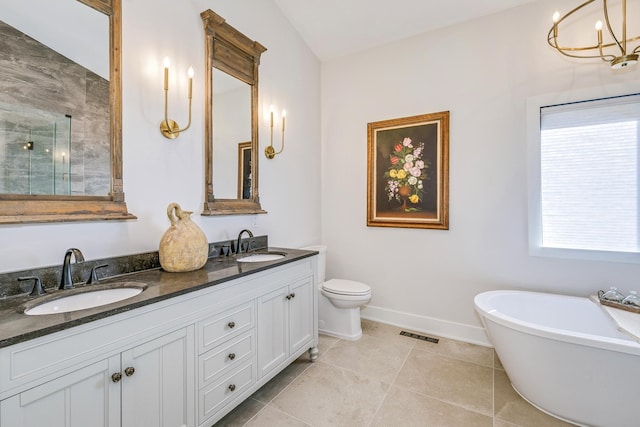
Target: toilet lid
<point x="346" y="287"/>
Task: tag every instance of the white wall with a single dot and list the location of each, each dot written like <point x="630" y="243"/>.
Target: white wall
<point x="482" y="72"/>
<point x="158" y="171"/>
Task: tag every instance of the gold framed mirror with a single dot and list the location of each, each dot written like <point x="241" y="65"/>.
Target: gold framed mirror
<point x="61" y="161"/>
<point x="231" y="118"/>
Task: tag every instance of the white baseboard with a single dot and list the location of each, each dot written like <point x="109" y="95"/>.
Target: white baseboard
<point x="428" y="325"/>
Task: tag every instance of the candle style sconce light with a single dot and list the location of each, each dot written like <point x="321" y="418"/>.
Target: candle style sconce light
<point x="270" y="152"/>
<point x="169" y="128"/>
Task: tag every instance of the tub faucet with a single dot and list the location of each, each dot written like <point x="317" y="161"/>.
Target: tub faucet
<point x="65" y="281"/>
<point x="239" y="242"/>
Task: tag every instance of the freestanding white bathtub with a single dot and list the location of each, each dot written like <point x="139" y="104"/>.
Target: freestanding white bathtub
<point x="565" y="356"/>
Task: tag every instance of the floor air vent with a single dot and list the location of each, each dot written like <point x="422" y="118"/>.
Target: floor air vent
<point x="419" y="337"/>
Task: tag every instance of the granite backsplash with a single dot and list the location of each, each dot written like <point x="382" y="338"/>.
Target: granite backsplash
<point x="80" y="272"/>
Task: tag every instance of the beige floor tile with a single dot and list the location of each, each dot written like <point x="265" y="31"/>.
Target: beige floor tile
<point x="406" y="408"/>
<point x="455" y="381"/>
<point x="374" y="357"/>
<point x="271" y="417"/>
<point x="270" y="390"/>
<point x="241" y="414"/>
<point x="450" y="384"/>
<point x="459" y="350"/>
<point x="501" y="423"/>
<point x="326" y="395"/>
<point x="325" y="342"/>
<point x="388" y="333"/>
<point x="509" y="406"/>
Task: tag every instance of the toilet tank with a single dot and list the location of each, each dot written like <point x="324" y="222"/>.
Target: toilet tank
<point x="322" y="260"/>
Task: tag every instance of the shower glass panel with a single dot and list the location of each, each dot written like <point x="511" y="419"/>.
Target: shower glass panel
<point x="35" y="151"/>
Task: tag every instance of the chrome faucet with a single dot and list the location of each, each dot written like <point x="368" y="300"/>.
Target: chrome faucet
<point x="65" y="281"/>
<point x="239" y="242"/>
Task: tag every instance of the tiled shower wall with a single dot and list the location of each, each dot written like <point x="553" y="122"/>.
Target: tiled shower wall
<point x="35" y="76"/>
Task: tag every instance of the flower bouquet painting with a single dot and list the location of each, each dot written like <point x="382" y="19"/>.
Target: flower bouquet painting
<point x="408" y="172"/>
<point x="406" y="175"/>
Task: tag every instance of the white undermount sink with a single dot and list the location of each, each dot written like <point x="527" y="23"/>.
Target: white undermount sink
<point x="84" y="300"/>
<point x="262" y="257"/>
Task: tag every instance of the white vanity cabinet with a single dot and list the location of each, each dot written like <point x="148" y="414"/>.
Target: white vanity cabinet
<point x="285" y="323"/>
<point x="226" y="363"/>
<point x="84" y="397"/>
<point x="147" y="385"/>
<point x="185" y="361"/>
<point x="157" y="382"/>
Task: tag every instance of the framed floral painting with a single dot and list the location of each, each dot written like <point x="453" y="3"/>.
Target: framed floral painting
<point x="408" y="172"/>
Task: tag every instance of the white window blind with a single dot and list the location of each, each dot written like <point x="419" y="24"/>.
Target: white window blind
<point x="589" y="154"/>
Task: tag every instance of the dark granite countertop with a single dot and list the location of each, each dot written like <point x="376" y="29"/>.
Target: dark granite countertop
<point x="160" y="285"/>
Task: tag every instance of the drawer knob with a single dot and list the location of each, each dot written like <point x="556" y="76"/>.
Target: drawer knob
<point x="129" y="371"/>
<point x="293" y="294"/>
<point x="231" y="325"/>
<point x="116" y="377"/>
<point x="232" y="356"/>
<point x="232" y="387"/>
<point x="288" y="297"/>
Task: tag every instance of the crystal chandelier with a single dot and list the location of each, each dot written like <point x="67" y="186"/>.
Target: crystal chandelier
<point x="615" y="50"/>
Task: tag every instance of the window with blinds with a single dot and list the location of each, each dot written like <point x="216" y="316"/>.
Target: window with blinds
<point x="588" y="172"/>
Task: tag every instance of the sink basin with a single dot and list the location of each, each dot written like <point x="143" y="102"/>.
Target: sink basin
<point x="84" y="300"/>
<point x="262" y="257"/>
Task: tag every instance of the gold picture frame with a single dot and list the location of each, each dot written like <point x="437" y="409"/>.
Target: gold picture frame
<point x="244" y="170"/>
<point x="408" y="172"/>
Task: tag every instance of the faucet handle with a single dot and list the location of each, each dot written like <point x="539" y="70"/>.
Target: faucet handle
<point x="93" y="277"/>
<point x="37" y="285"/>
<point x="246" y="246"/>
<point x="226" y="249"/>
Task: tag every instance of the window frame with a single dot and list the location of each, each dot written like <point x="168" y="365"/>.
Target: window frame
<point x="534" y="209"/>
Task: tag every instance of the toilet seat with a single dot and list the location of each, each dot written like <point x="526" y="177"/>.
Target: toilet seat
<point x="346" y="287"/>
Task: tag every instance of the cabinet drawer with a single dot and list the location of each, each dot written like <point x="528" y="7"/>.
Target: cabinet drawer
<point x="226" y="357"/>
<point x="222" y="326"/>
<point x="214" y="398"/>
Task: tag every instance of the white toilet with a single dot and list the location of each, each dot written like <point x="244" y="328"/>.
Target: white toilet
<point x="339" y="302"/>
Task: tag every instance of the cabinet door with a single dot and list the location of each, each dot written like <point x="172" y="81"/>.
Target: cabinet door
<point x="273" y="330"/>
<point x="159" y="389"/>
<point x="301" y="314"/>
<point x="86" y="397"/>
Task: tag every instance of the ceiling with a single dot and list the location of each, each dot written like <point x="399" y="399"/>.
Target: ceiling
<point x="335" y="28"/>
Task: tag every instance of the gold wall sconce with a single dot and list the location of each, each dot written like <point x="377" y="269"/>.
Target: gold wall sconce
<point x="270" y="152"/>
<point x="615" y="50"/>
<point x="169" y="128"/>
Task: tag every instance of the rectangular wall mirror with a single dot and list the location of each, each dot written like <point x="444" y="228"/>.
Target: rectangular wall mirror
<point x="60" y="111"/>
<point x="231" y="119"/>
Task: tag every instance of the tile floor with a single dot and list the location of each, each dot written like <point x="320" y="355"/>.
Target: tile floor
<point x="385" y="379"/>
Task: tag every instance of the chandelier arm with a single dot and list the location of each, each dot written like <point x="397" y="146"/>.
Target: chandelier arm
<point x="607" y="52"/>
<point x="611" y="33"/>
<point x="553" y="35"/>
<point x="557" y="24"/>
<point x="607" y="58"/>
<point x="575" y="10"/>
<point x="553" y="42"/>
